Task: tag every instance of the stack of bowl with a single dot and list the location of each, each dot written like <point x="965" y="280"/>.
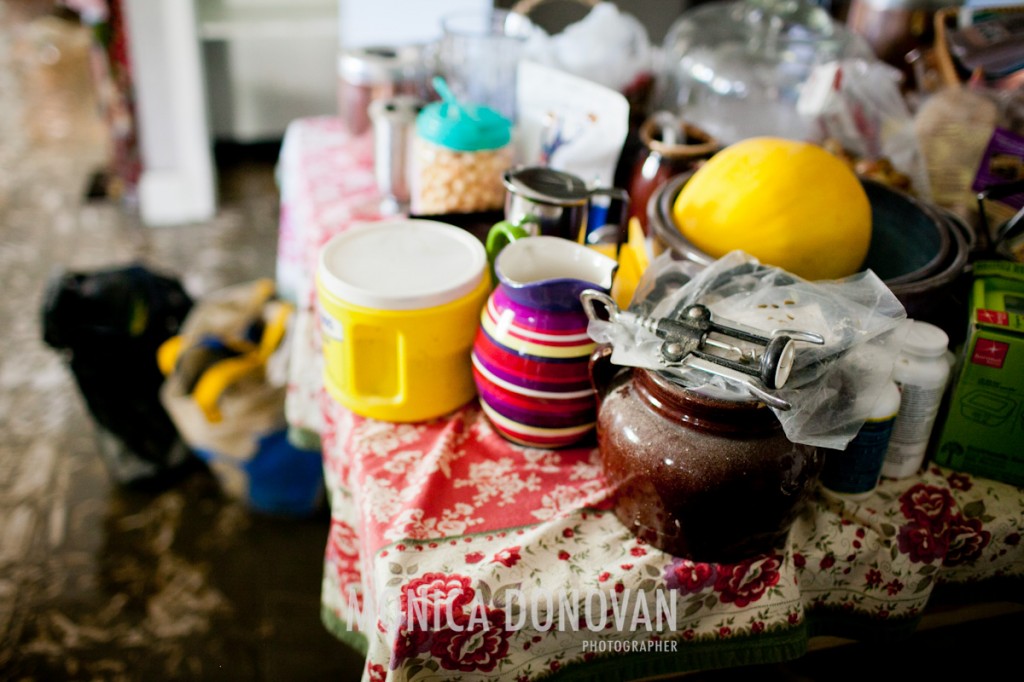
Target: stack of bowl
<point x="919" y="250"/>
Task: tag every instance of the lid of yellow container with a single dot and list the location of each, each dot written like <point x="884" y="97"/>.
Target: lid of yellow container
<point x="402" y="264"/>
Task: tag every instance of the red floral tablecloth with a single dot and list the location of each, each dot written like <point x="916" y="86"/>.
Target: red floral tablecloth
<point x="327" y="185"/>
<point x="453" y="553"/>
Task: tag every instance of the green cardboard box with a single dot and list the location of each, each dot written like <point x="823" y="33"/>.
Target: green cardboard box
<point x="984" y="429"/>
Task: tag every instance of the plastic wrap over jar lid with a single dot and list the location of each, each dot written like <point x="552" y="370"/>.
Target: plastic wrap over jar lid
<point x="402" y="265"/>
<point x="463" y="127"/>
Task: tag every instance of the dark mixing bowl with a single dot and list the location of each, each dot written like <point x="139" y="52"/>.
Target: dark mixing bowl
<point x="918" y="250"/>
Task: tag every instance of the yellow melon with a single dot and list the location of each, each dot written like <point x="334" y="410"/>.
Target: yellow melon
<point x="787" y="203"/>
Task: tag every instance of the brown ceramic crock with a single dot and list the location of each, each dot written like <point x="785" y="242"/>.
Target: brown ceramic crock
<point x="670" y="146"/>
<point x="702" y="478"/>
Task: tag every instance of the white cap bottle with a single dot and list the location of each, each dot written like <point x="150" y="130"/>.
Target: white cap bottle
<point x="921" y="372"/>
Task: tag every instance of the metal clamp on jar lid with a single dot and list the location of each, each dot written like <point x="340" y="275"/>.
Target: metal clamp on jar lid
<point x="688" y="342"/>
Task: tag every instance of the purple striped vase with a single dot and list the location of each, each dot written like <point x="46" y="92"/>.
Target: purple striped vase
<point x="532" y="351"/>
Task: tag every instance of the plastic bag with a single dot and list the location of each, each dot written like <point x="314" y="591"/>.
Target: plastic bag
<point x="570" y="124"/>
<point x="858" y="104"/>
<point x="608" y="46"/>
<point x="225" y="391"/>
<point x="831" y="388"/>
<point x="111" y="323"/>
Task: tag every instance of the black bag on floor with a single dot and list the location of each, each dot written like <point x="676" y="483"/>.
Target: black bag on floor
<point x="111" y="323"/>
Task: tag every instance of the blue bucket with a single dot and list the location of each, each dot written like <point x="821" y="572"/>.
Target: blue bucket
<point x="280" y="479"/>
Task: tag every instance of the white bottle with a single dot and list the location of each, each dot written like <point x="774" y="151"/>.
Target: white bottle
<point x="921" y="372"/>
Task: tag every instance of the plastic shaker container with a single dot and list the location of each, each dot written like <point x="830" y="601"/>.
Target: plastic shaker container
<point x="460" y="153"/>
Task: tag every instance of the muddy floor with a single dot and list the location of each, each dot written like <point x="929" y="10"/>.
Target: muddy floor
<point x="99" y="582"/>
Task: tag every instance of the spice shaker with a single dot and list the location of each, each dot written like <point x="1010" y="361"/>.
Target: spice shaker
<point x="394" y="120"/>
<point x="367" y="74"/>
<point x="461" y="151"/>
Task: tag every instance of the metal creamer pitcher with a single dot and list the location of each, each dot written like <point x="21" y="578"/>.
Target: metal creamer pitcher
<point x="545" y="201"/>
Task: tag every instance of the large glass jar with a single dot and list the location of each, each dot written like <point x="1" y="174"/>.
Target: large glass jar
<point x="736" y="68"/>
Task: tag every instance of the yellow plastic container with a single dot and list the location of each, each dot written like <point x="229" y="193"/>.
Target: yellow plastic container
<point x="400" y="304"/>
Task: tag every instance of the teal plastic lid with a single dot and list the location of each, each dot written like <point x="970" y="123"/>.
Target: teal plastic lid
<point x="463" y="127"/>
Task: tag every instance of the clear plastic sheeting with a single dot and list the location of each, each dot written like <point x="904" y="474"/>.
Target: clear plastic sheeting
<point x="830" y="389"/>
<point x="608" y="46"/>
<point x="858" y="103"/>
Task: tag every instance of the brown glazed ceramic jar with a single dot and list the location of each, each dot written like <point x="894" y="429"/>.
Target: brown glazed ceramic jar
<point x="670" y="146"/>
<point x="706" y="479"/>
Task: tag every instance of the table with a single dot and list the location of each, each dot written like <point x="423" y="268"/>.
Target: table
<point x="454" y="553"/>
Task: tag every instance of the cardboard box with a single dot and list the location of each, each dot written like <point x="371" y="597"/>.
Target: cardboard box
<point x="984" y="429"/>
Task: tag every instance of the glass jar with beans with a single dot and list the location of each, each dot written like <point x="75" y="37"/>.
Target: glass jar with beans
<point x="459" y="155"/>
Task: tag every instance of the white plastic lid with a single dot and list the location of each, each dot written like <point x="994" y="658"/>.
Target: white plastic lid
<point x="925" y="339"/>
<point x="402" y="264"/>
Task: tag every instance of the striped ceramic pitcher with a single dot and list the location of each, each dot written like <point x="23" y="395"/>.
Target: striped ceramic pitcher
<point x="531" y="353"/>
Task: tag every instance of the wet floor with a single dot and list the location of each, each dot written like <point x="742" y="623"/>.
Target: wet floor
<point x="102" y="583"/>
<point x="98" y="582"/>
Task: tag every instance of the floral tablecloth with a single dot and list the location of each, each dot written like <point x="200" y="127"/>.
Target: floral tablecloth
<point x="453" y="553"/>
<point x="461" y="555"/>
<point x="327" y="185"/>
